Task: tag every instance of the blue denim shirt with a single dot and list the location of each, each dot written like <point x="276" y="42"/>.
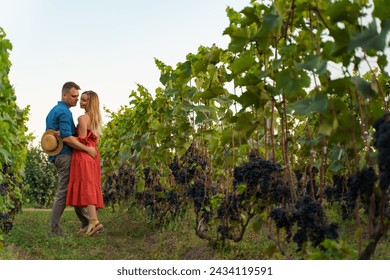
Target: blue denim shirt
<point x="60" y="118"/>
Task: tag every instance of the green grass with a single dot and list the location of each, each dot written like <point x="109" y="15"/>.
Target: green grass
<point x="127" y="235"/>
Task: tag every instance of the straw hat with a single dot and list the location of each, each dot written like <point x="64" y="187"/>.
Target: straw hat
<point x="51" y="145"/>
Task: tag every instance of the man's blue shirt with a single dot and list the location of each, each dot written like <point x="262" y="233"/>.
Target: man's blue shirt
<point x="60" y="118"/>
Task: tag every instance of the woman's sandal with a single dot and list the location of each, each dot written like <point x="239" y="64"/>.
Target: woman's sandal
<point x="82" y="230"/>
<point x="93" y="227"/>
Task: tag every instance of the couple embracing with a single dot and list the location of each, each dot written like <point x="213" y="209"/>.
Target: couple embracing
<point x="74" y="152"/>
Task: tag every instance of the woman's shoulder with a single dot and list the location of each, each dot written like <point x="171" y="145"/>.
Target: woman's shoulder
<point x="84" y="117"/>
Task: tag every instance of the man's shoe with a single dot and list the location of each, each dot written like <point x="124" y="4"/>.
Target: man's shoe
<point x="57" y="231"/>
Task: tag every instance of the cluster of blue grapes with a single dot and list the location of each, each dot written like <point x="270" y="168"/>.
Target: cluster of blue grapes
<point x="190" y="173"/>
<point x="6" y="222"/>
<point x="382" y="143"/>
<point x="6" y="217"/>
<point x="360" y="186"/>
<point x="254" y="181"/>
<point x="119" y="186"/>
<point x="338" y="190"/>
<point x="263" y="181"/>
<point x="160" y="203"/>
<point x="310" y="219"/>
<point x="189" y="167"/>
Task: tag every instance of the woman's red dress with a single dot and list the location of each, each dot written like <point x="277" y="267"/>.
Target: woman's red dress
<point x="84" y="186"/>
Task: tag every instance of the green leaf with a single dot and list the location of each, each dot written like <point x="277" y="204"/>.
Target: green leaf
<point x="199" y="66"/>
<point x="328" y="127"/>
<point x="363" y="87"/>
<point x="205" y="109"/>
<point x="249" y="98"/>
<point x="313" y="63"/>
<point x="213" y="56"/>
<point x="242" y="63"/>
<point x="4" y="155"/>
<point x="209" y="93"/>
<point x="341" y="41"/>
<point x="381" y="9"/>
<point x="343" y="11"/>
<point x="185" y="69"/>
<point x="338" y="86"/>
<point x="250" y="16"/>
<point x="257" y="223"/>
<point x="239" y="38"/>
<point x="369" y="38"/>
<point x="292" y="81"/>
<point x="318" y="102"/>
<point x="272" y="21"/>
<point x="246" y="123"/>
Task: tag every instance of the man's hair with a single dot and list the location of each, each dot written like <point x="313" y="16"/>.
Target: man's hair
<point x="68" y="86"/>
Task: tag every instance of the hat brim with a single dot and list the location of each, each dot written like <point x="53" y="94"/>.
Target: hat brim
<point x="59" y="146"/>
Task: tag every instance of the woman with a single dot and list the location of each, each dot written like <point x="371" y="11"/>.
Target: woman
<point x="84" y="187"/>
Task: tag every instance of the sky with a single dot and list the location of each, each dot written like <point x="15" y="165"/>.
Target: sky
<point x="105" y="46"/>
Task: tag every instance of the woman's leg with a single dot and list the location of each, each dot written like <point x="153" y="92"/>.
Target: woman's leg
<point x="94" y="224"/>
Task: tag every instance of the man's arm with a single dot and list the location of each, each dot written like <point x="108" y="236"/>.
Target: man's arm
<point x="73" y="142"/>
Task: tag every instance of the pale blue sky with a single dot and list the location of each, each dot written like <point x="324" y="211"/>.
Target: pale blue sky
<point x="106" y="46"/>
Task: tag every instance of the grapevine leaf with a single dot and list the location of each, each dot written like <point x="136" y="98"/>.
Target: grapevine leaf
<point x="338" y="86"/>
<point x="249" y="98"/>
<point x="318" y="102"/>
<point x="328" y="127"/>
<point x="370" y="38"/>
<point x="341" y="41"/>
<point x="292" y="81"/>
<point x="239" y="38"/>
<point x="313" y="63"/>
<point x="344" y="11"/>
<point x="246" y="123"/>
<point x="381" y="9"/>
<point x="243" y="63"/>
<point x="363" y="87"/>
<point x="210" y="93"/>
<point x="257" y="223"/>
<point x="272" y="21"/>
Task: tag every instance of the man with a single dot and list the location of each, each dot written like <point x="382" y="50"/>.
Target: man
<point x="60" y="119"/>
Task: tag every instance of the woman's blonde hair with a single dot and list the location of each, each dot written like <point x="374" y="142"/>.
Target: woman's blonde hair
<point x="93" y="110"/>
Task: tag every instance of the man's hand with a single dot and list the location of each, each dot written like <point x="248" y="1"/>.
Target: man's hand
<point x="76" y="144"/>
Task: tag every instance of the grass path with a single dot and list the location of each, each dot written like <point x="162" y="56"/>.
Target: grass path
<point x="125" y="236"/>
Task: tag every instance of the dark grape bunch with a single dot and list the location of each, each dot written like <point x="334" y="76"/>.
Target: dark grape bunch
<point x="160" y="203"/>
<point x="382" y="143"/>
<point x="262" y="179"/>
<point x="310" y="219"/>
<point x="284" y="218"/>
<point x="337" y="192"/>
<point x="189" y="173"/>
<point x="189" y="166"/>
<point x="361" y="185"/>
<point x="6" y="217"/>
<point x="119" y="187"/>
<point x="231" y="207"/>
<point x="200" y="194"/>
<point x="6" y="223"/>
